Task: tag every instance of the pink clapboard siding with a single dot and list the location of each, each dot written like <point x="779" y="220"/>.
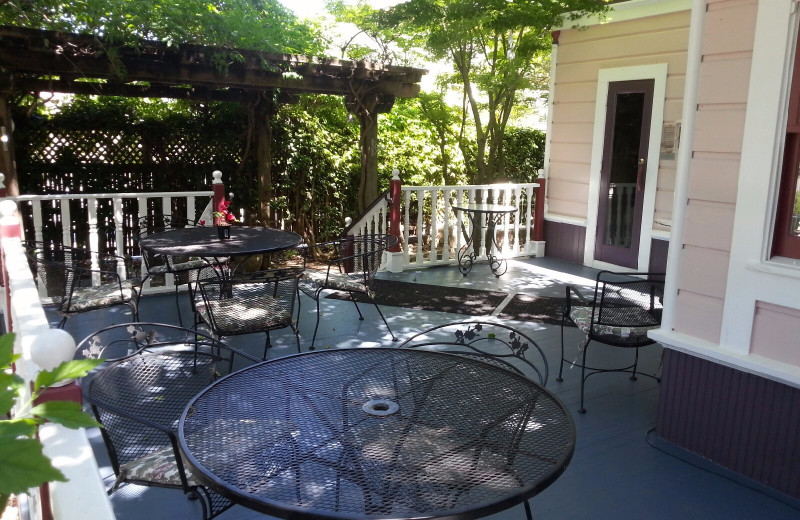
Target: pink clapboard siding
<point x="581" y="55"/>
<point x="774" y="329"/>
<point x="728" y="37"/>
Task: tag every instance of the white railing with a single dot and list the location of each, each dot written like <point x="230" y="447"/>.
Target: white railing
<point x="620" y="212"/>
<point x="40" y="347"/>
<point x="374" y="221"/>
<point x="60" y="212"/>
<point x="432" y="232"/>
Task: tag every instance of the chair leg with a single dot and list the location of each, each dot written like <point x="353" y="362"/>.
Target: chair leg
<point x="635" y="364"/>
<point x="178" y="304"/>
<point x="314" y="338"/>
<point x="298" y="308"/>
<point x="394" y="338"/>
<point x="561" y="364"/>
<point x="62" y="322"/>
<point x="134" y="311"/>
<point x="528" y="513"/>
<point x="360" y="316"/>
<point x="267" y="345"/>
<point x="583" y="374"/>
<point x="297" y="338"/>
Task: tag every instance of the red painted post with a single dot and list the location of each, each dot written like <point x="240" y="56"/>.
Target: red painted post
<point x="396" y="192"/>
<point x="3" y="194"/>
<point x="69" y="392"/>
<point x="219" y="192"/>
<point x="538" y="211"/>
<point x="9" y="228"/>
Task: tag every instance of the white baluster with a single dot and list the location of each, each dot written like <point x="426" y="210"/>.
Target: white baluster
<point x="406" y="225"/>
<point x="190" y="208"/>
<point x="529" y="211"/>
<point x="166" y="208"/>
<point x="119" y="238"/>
<point x="37" y="220"/>
<point x="141" y="204"/>
<point x="434" y="223"/>
<point x="420" y="200"/>
<point x="446" y="231"/>
<point x="94" y="241"/>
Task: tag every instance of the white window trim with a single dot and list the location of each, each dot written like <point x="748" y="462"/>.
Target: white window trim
<point x="658" y="73"/>
<point x="752" y="276"/>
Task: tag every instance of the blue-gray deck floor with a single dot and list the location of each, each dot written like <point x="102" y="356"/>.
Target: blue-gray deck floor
<point x="614" y="473"/>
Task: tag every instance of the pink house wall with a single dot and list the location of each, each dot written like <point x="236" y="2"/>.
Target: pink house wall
<point x="581" y="55"/>
<point x="714" y="170"/>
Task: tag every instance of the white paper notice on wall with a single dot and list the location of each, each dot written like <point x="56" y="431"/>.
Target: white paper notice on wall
<point x="670" y="140"/>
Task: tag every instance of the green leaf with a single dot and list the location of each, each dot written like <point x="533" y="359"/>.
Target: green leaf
<point x="9" y="390"/>
<point x="15" y="428"/>
<point x="66" y="370"/>
<point x="25" y="466"/>
<point x="65" y="413"/>
<point x="6" y="350"/>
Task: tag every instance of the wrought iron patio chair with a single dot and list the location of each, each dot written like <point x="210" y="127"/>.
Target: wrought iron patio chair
<point x="249" y="303"/>
<point x="79" y="280"/>
<point x="352" y="263"/>
<point x="623" y="309"/>
<point x="152" y="371"/>
<point x="492" y="343"/>
<point x="179" y="266"/>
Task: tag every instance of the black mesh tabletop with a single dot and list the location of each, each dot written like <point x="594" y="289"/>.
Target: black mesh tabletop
<point x="376" y="433"/>
<point x="204" y="241"/>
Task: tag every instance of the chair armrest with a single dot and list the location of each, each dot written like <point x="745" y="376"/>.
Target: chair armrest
<point x="570" y="290"/>
<point x="123" y="413"/>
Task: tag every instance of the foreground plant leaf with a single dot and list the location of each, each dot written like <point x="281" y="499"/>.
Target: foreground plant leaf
<point x="66" y="370"/>
<point x="25" y="466"/>
<point x="65" y="413"/>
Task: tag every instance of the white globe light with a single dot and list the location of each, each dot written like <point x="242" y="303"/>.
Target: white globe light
<point x="51" y="348"/>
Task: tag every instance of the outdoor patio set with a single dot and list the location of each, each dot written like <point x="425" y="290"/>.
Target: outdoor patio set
<point x="455" y="421"/>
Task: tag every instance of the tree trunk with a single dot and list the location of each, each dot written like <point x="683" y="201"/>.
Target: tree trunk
<point x="8" y="166"/>
<point x="264" y="110"/>
<point x="368" y="185"/>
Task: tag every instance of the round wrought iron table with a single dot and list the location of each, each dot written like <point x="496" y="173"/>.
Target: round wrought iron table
<point x="376" y="433"/>
<point x="205" y="242"/>
<point x="469" y="251"/>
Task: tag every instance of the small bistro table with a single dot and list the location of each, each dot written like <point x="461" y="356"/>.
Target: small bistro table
<point x="470" y="250"/>
<point x="376" y="433"/>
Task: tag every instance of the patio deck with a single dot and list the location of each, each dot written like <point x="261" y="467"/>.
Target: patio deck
<point x="614" y="473"/>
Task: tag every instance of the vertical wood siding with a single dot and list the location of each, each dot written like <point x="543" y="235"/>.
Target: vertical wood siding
<point x="746" y="423"/>
<point x="564" y="241"/>
<point x="581" y="55"/>
<point x="714" y="169"/>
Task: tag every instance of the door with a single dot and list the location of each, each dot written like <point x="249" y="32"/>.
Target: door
<point x="622" y="174"/>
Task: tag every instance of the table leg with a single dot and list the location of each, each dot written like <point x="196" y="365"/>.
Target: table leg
<point x="497" y="264"/>
<point x="466" y="255"/>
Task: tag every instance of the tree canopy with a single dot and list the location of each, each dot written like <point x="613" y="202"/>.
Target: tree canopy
<point x="264" y="25"/>
<point x="498" y="48"/>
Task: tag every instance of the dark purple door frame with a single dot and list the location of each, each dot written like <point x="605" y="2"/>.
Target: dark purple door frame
<point x="627" y="256"/>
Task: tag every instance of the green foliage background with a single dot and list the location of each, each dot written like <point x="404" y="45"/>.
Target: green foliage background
<point x="115" y="144"/>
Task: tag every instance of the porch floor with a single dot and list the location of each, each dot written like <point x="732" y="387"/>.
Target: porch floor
<point x="614" y="473"/>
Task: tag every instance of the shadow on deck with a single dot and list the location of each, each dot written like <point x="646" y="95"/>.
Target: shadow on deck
<point x="614" y="473"/>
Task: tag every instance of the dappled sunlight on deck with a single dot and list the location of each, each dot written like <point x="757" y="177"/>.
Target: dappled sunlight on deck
<point x="614" y="472"/>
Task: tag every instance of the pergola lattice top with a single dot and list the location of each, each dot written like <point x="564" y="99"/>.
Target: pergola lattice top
<point x="32" y="60"/>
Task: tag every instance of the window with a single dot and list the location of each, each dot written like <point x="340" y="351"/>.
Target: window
<point x="786" y="241"/>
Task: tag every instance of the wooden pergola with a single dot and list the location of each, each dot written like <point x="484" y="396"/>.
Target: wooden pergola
<point x="46" y="61"/>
